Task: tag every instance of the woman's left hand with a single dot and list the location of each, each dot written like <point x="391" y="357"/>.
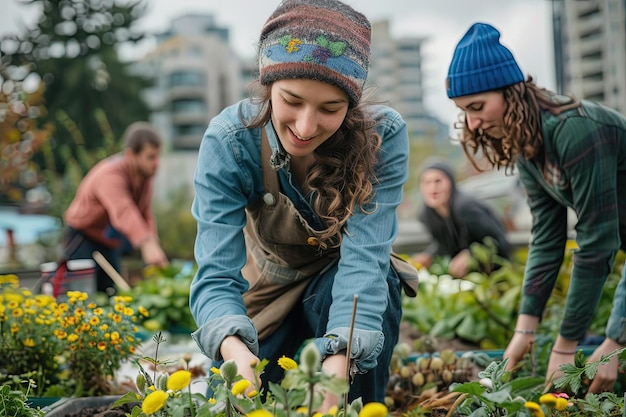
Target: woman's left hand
<point x="459" y="265"/>
<point x="333" y="365"/>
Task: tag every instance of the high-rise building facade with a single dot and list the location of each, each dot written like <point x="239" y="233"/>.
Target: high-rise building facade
<point x="197" y="74"/>
<point x="396" y="78"/>
<point x="590" y="50"/>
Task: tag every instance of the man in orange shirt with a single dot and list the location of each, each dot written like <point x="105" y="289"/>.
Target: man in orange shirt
<point x="111" y="209"/>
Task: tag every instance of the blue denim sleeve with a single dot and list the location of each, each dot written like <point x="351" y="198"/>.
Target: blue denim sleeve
<point x="365" y="348"/>
<point x="366" y="246"/>
<point x="224" y="181"/>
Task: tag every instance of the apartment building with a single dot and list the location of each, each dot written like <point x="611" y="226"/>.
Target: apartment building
<point x="197" y="74"/>
<point x="590" y="50"/>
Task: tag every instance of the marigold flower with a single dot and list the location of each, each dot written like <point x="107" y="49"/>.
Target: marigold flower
<point x="154" y="402"/>
<point x="374" y="410"/>
<point x="240" y="386"/>
<point x="72" y="338"/>
<point x="179" y="380"/>
<point x="535" y="409"/>
<point x="102" y="346"/>
<point x="287" y="363"/>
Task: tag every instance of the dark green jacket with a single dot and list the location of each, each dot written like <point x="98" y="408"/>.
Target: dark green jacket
<point x="585" y="169"/>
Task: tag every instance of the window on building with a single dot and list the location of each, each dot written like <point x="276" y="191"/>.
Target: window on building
<point x="186" y="79"/>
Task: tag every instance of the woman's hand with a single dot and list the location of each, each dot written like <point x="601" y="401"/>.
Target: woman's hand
<point x="333" y="365"/>
<point x="459" y="265"/>
<point x="422" y="259"/>
<point x="522" y="339"/>
<point x="607" y="373"/>
<point x="234" y="349"/>
<point x="519" y="346"/>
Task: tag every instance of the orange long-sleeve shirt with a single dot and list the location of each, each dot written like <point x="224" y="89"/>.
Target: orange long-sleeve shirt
<point x="109" y="196"/>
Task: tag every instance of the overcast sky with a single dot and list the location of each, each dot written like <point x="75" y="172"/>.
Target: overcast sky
<point x="525" y="25"/>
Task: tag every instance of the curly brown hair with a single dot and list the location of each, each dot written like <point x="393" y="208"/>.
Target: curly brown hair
<point x="522" y="126"/>
<point x="343" y="174"/>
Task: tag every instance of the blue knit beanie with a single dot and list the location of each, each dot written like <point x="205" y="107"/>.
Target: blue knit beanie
<point x="481" y="63"/>
<point x="323" y="40"/>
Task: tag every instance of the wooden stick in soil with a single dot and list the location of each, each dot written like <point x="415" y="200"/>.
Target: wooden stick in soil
<point x="110" y="271"/>
<point x="349" y="347"/>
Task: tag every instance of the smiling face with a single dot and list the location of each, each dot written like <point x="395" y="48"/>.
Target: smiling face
<point x="484" y="112"/>
<point x="436" y="188"/>
<point x="305" y="113"/>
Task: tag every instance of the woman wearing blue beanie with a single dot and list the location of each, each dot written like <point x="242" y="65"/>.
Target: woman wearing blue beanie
<point x="568" y="153"/>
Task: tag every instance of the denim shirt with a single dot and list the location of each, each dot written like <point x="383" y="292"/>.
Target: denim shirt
<point x="229" y="177"/>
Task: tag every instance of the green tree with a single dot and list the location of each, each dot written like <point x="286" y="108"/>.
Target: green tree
<point x="72" y="48"/>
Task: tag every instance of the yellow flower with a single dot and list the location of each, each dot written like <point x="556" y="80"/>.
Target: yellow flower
<point x="333" y="410"/>
<point x="535" y="409"/>
<point x="552" y="400"/>
<point x="154" y="402"/>
<point x="215" y="370"/>
<point x="211" y="401"/>
<point x="260" y="413"/>
<point x="561" y="404"/>
<point x="374" y="410"/>
<point x="102" y="346"/>
<point x="143" y="311"/>
<point x="240" y="386"/>
<point x="287" y="363"/>
<point x="28" y="342"/>
<point x="253" y="393"/>
<point x="72" y="338"/>
<point x="178" y="380"/>
<point x="302" y="410"/>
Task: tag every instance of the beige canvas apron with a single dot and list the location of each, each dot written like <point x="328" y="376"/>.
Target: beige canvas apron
<point x="284" y="253"/>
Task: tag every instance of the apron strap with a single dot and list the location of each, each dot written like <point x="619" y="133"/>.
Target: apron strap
<point x="270" y="176"/>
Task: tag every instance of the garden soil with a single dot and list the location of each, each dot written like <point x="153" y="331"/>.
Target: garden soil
<point x="104" y="411"/>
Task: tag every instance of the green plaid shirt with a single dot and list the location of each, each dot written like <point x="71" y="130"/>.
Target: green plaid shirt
<point x="585" y="169"/>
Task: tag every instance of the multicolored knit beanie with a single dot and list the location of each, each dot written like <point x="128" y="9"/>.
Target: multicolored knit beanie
<point x="481" y="63"/>
<point x="323" y="40"/>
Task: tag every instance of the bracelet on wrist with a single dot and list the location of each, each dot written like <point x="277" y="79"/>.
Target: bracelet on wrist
<point x="562" y="352"/>
<point x="524" y="331"/>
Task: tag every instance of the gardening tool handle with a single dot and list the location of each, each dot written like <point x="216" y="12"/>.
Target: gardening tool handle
<point x="110" y="271"/>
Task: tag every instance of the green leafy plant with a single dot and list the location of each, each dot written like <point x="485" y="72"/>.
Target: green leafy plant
<point x="299" y="393"/>
<point x="165" y="294"/>
<point x="14" y="403"/>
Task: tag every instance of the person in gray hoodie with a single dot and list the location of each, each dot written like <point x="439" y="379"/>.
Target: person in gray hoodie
<point x="455" y="220"/>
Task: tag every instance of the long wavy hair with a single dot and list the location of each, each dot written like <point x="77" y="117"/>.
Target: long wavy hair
<point x="343" y="174"/>
<point x="522" y="126"/>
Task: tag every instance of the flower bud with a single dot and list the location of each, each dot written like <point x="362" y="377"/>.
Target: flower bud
<point x="140" y="381"/>
<point x="228" y="370"/>
<point x="311" y="358"/>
